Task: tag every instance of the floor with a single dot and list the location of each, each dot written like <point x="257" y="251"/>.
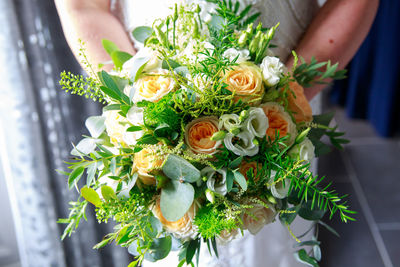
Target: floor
<point x="369" y="170"/>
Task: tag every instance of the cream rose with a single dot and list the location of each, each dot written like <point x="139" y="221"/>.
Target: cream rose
<point x="116" y="126"/>
<point x="182" y="228"/>
<point x="272" y="69"/>
<point x="146" y="161"/>
<point x="279" y="121"/>
<point x="225" y="236"/>
<point x="245" y="81"/>
<point x="198" y="134"/>
<point x="255" y="218"/>
<point x="153" y="86"/>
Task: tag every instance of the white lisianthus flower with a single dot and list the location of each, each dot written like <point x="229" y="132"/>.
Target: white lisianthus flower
<point x="255" y="218"/>
<point x="207" y="9"/>
<point x="257" y="122"/>
<point x="225" y="236"/>
<point x="146" y="52"/>
<point x="229" y="122"/>
<point x="303" y="151"/>
<point x="279" y="189"/>
<point x="244" y="146"/>
<point x="272" y="69"/>
<point x="215" y="184"/>
<point x="242" y="55"/>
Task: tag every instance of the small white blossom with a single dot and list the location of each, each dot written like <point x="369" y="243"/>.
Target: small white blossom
<point x="217" y="186"/>
<point x="244" y="146"/>
<point x="241" y="55"/>
<point x="257" y="122"/>
<point x="272" y="69"/>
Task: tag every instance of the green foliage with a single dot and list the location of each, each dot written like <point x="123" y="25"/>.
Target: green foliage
<point x="77" y="212"/>
<point x="211" y="221"/>
<point x="83" y="86"/>
<point x="162" y="112"/>
<point x="306" y="74"/>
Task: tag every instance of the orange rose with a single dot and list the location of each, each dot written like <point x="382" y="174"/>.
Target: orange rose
<point x="145" y="161"/>
<point x="246" y="166"/>
<point x="245" y="81"/>
<point x="298" y="103"/>
<point x="182" y="228"/>
<point x="279" y="121"/>
<point x="198" y="135"/>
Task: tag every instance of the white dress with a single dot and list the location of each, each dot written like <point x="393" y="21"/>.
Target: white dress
<point x="273" y="245"/>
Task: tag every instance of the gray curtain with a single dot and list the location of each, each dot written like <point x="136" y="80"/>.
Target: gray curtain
<point x="38" y="122"/>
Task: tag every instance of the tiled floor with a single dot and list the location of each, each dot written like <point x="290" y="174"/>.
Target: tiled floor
<point x="369" y="170"/>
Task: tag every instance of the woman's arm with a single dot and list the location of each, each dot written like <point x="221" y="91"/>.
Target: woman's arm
<point x="336" y="33"/>
<point x="91" y="21"/>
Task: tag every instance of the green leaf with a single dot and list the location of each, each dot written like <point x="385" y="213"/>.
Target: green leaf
<point x="109" y="46"/>
<point x="288" y="217"/>
<point x="170" y="63"/>
<point x="240" y="179"/>
<point x="234" y="164"/>
<point x="307" y="243"/>
<point x="229" y="180"/>
<point x="85" y="146"/>
<point x="311" y="214"/>
<point x="108" y="193"/>
<point x="176" y="199"/>
<point x="303" y="257"/>
<point x="141" y="33"/>
<point x="91" y="171"/>
<point x="95" y="125"/>
<point x="329" y="228"/>
<point x="91" y="195"/>
<point x="162" y="130"/>
<point x="177" y="168"/>
<point x="119" y="58"/>
<point x="134" y="129"/>
<point x="159" y="249"/>
<point x="112" y="107"/>
<point x="75" y="175"/>
<point x="138" y="67"/>
<point x="147" y="139"/>
<point x="191" y="250"/>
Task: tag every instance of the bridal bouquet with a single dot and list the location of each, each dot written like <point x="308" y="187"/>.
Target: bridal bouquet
<point x="204" y="134"/>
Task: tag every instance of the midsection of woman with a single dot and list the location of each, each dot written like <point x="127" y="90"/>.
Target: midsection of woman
<point x="271" y="247"/>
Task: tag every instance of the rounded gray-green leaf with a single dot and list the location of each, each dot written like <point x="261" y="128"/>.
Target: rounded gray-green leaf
<point x="95" y="125"/>
<point x="159" y="249"/>
<point x="177" y="168"/>
<point x="176" y="199"/>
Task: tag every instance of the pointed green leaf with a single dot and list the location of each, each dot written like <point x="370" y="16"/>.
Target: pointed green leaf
<point x="75" y="175"/>
<point x="119" y="58"/>
<point x="239" y="178"/>
<point x="109" y="46"/>
<point x="108" y="193"/>
<point x="91" y="196"/>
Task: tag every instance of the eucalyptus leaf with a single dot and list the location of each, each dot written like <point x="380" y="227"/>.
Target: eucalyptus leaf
<point x="303" y="257"/>
<point x="95" y="125"/>
<point x="177" y="168"/>
<point x="91" y="171"/>
<point x="91" y="196"/>
<point x="141" y="33"/>
<point x="159" y="249"/>
<point x="229" y="180"/>
<point x="240" y="179"/>
<point x="176" y="199"/>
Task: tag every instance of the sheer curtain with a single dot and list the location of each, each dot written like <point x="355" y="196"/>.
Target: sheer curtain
<point x="37" y="123"/>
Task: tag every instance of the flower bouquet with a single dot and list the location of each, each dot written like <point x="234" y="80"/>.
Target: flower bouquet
<point x="204" y="134"/>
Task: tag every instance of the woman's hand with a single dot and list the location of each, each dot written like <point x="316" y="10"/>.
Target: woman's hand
<point x="336" y="33"/>
<point x="91" y="21"/>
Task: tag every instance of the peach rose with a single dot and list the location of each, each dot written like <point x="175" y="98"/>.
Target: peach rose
<point x="245" y="81"/>
<point x="227" y="236"/>
<point x="279" y="121"/>
<point x="246" y="166"/>
<point x="298" y="103"/>
<point x="153" y="87"/>
<point x="198" y="135"/>
<point x="145" y="161"/>
<point x="182" y="228"/>
<point x="255" y="218"/>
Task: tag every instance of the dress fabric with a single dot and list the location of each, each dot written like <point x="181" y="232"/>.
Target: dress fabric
<point x="272" y="246"/>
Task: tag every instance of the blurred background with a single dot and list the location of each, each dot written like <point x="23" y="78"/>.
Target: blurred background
<point x="38" y="122"/>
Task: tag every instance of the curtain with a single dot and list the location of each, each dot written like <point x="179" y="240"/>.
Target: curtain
<point x="372" y="90"/>
<point x="38" y="122"/>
